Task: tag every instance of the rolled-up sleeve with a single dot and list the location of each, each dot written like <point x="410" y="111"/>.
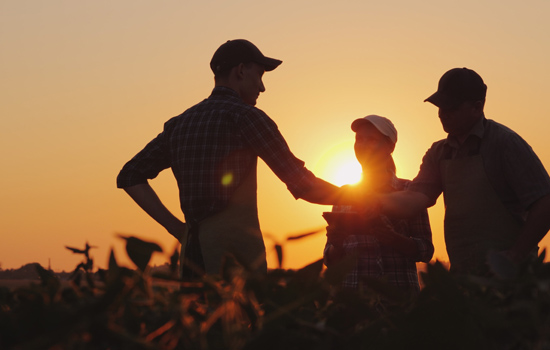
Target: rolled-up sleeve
<point x="428" y="181"/>
<point x="147" y="164"/>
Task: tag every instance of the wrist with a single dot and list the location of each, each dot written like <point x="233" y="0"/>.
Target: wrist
<point x="177" y="228"/>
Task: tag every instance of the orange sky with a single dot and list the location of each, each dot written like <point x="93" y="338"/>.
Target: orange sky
<point x="85" y="85"/>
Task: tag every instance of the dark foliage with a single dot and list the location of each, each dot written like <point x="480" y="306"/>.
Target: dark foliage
<point x="122" y="308"/>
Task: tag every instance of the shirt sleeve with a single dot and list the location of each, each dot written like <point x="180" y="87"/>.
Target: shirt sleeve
<point x="419" y="229"/>
<point x="428" y="181"/>
<point x="524" y="171"/>
<point x="264" y="137"/>
<point x="147" y="164"/>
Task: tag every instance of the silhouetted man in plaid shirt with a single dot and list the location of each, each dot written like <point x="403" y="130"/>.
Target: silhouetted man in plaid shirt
<point x="213" y="148"/>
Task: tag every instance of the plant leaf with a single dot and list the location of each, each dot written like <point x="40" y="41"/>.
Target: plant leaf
<point x="113" y="265"/>
<point x="306" y="234"/>
<point x="76" y="250"/>
<point x="140" y="251"/>
<point x="279" y="250"/>
<point x="48" y="278"/>
<point x="174" y="262"/>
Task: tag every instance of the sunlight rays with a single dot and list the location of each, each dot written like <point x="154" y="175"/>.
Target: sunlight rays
<point x="338" y="165"/>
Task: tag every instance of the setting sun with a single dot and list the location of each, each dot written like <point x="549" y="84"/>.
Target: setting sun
<point x="347" y="173"/>
<point x="339" y="166"/>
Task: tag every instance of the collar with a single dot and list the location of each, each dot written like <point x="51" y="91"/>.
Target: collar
<point x="477" y="131"/>
<point x="224" y="91"/>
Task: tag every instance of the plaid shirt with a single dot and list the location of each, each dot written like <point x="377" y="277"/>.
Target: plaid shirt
<point x="211" y="147"/>
<point x="382" y="261"/>
<point x="514" y="170"/>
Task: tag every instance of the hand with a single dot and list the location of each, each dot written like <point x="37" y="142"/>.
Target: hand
<point x="354" y="195"/>
<point x="177" y="229"/>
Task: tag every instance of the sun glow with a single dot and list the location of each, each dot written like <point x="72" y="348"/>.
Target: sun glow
<point x="339" y="166"/>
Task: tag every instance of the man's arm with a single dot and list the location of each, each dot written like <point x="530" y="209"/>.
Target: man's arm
<point x="147" y="199"/>
<point x="535" y="228"/>
<point x="402" y="204"/>
<point x="323" y="192"/>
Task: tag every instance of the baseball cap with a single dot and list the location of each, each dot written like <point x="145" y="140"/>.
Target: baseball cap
<point x="234" y="52"/>
<point x="384" y="125"/>
<point x="456" y="86"/>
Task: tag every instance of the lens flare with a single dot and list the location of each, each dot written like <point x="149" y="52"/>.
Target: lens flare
<point x="227" y="179"/>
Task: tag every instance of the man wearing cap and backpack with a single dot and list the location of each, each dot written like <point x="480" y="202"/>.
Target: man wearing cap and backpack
<point x="212" y="149"/>
<point x="496" y="190"/>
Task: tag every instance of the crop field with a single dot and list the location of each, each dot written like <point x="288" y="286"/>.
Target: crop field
<point x="12" y="284"/>
<point x="122" y="308"/>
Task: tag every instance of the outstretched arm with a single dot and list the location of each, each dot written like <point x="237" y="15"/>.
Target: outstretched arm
<point x="323" y="192"/>
<point x="147" y="199"/>
<point x="403" y="204"/>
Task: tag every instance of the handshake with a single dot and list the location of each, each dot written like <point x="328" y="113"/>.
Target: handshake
<point x="351" y="222"/>
<point x="343" y="224"/>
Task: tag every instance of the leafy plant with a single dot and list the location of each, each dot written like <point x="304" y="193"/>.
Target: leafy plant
<point x="123" y="308"/>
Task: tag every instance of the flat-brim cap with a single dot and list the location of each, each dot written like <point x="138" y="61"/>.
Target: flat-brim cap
<point x="233" y="52"/>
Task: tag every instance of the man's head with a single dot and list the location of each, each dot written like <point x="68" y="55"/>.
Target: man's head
<point x="234" y="52"/>
<point x="460" y="97"/>
<point x="456" y="86"/>
<point x="375" y="139"/>
<point x="240" y="65"/>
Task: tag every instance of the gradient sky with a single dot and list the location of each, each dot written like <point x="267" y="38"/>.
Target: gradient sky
<point x="86" y="84"/>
